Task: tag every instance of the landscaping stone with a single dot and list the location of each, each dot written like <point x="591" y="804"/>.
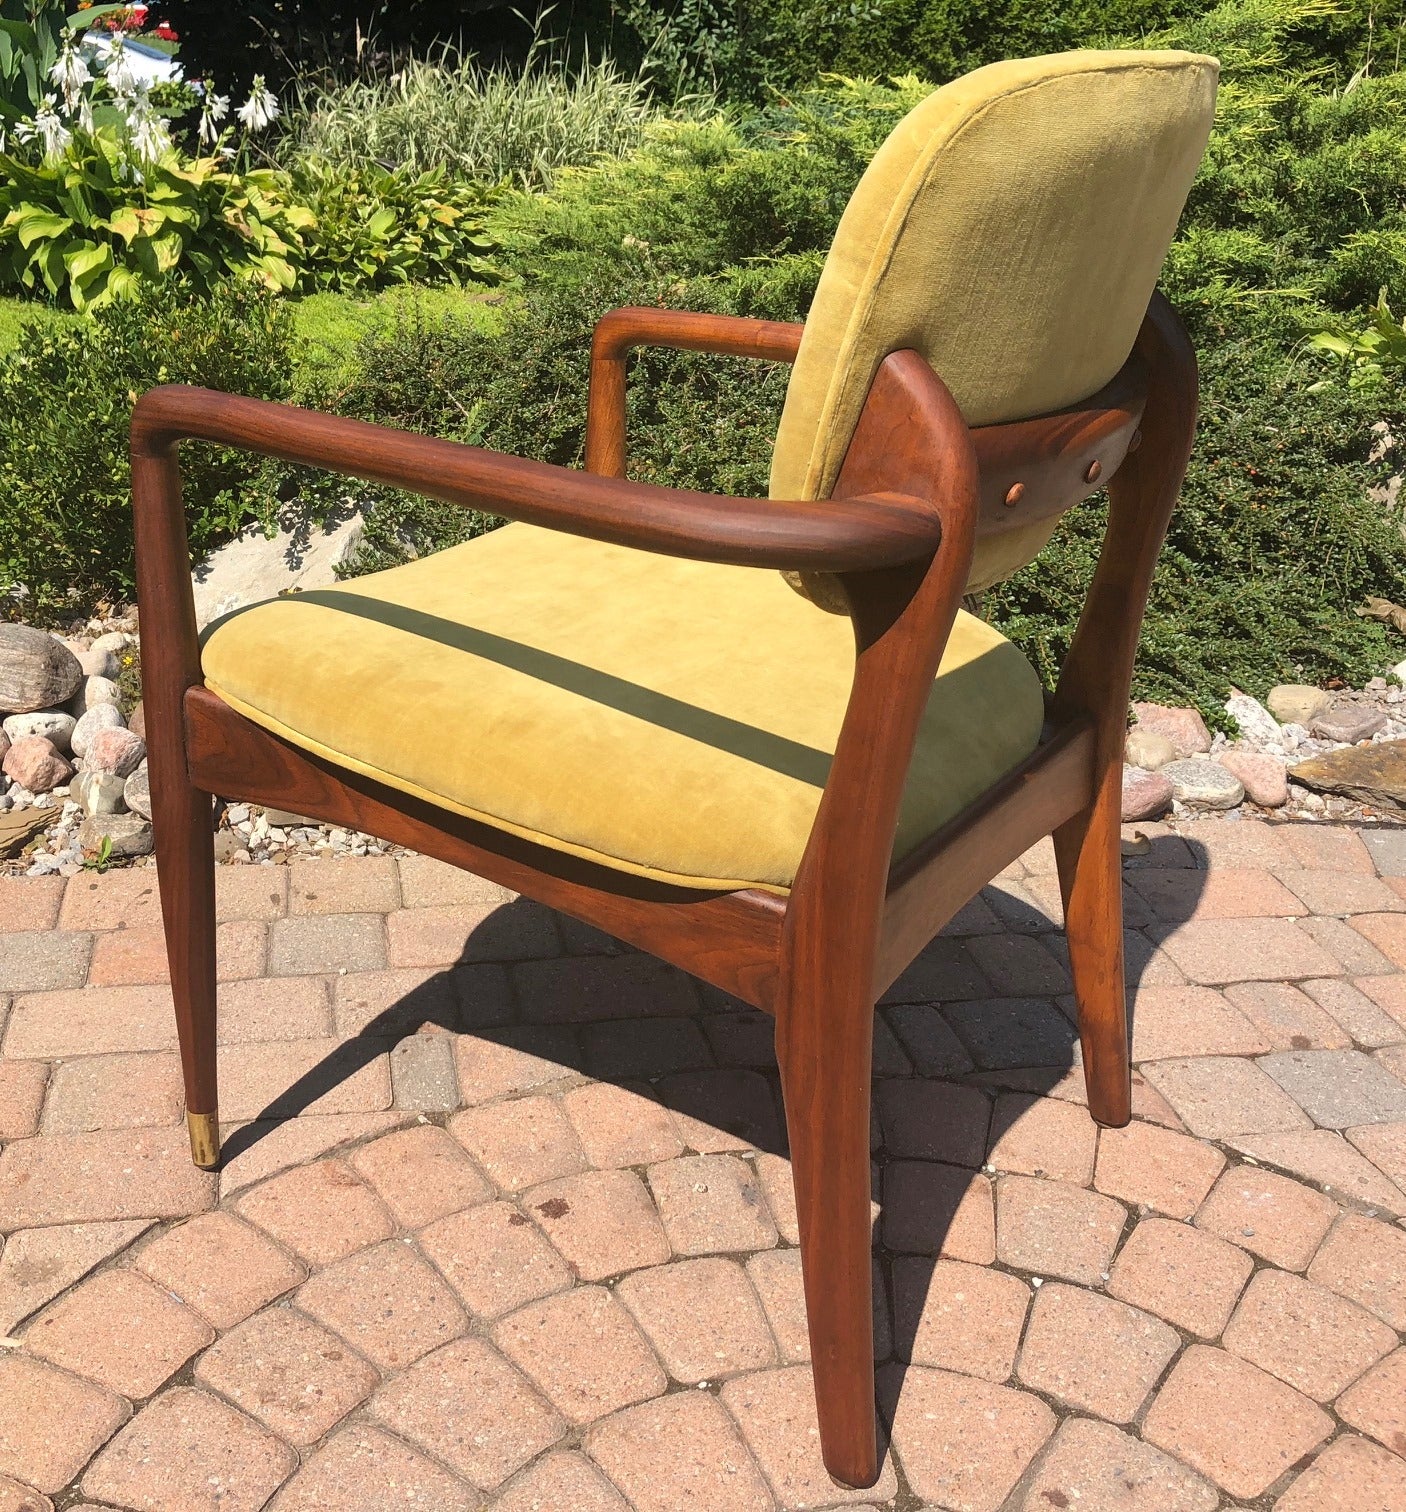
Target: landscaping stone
<point x="1347" y="722"/>
<point x="253" y="566"/>
<point x="1146" y="749"/>
<point x="1374" y="774"/>
<point x="126" y="834"/>
<point x="36" y="671"/>
<point x="53" y="724"/>
<point x="1257" y="724"/>
<point x="1203" y="784"/>
<point x="1146" y="794"/>
<point x="117" y="751"/>
<point x="98" y="792"/>
<point x="1183" y="727"/>
<point x="32" y="762"/>
<point x="93" y="692"/>
<point x="1295" y="703"/>
<point x="136" y="792"/>
<point x="1264" y="777"/>
<point x="99" y="717"/>
<point x="97" y="661"/>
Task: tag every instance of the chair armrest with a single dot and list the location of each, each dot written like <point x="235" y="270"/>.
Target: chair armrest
<point x="686" y="330"/>
<point x="834" y="535"/>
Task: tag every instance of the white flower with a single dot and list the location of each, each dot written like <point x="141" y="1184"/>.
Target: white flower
<point x="70" y="73"/>
<point x="148" y="131"/>
<point x="260" y="109"/>
<point x="85" y="115"/>
<point x="120" y="75"/>
<point x="50" y="130"/>
<point x="216" y="108"/>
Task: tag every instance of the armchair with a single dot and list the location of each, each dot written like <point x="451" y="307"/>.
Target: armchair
<point x="663" y="738"/>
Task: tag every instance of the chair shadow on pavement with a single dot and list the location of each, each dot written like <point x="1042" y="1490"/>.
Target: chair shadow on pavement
<point x="974" y="1036"/>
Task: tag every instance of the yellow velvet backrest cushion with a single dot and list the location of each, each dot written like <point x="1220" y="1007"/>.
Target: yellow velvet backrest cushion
<point x="1011" y="230"/>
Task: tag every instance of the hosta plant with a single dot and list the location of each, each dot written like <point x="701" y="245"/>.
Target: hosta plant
<point x="85" y="227"/>
<point x="373" y="227"/>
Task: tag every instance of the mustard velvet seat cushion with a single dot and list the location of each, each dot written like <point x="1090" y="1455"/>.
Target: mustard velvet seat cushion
<point x="1010" y="230"/>
<point x="669" y="718"/>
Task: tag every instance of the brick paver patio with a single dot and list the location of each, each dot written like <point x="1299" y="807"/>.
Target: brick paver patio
<point x="506" y="1218"/>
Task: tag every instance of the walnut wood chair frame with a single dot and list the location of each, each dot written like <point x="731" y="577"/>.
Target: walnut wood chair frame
<point x="916" y="490"/>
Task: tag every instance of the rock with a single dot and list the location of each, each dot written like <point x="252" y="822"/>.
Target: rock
<point x="1256" y="723"/>
<point x="1203" y="784"/>
<point x="1147" y="750"/>
<point x="1146" y="795"/>
<point x="229" y="846"/>
<point x="97" y="663"/>
<point x="1264" y="777"/>
<point x="1374" y="774"/>
<point x="98" y="793"/>
<point x="1347" y="722"/>
<point x="137" y="723"/>
<point x="137" y="792"/>
<point x="116" y="750"/>
<point x="253" y="567"/>
<point x="99" y="717"/>
<point x="95" y="691"/>
<point x="1183" y="727"/>
<point x="114" y="641"/>
<point x="33" y="763"/>
<point x="4" y="744"/>
<point x="36" y="671"/>
<point x="1296" y="703"/>
<point x="284" y="818"/>
<point x="127" y="834"/>
<point x="53" y="724"/>
<point x="1399" y="673"/>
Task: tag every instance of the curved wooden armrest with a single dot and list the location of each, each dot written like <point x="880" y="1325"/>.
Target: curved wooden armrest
<point x="686" y="330"/>
<point x="855" y="534"/>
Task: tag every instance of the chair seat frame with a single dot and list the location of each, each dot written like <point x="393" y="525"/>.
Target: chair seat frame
<point x="916" y="490"/>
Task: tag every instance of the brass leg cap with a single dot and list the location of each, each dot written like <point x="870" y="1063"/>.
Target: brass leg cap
<point x="204" y="1139"/>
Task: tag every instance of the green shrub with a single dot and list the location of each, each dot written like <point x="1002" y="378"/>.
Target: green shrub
<point x="83" y="229"/>
<point x="372" y="227"/>
<point x="490" y="124"/>
<point x="744" y="49"/>
<point x="66" y="396"/>
<point x="1273" y="544"/>
<point x="703" y="196"/>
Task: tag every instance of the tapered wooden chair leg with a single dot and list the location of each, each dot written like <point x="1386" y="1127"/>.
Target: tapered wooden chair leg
<point x="185" y="862"/>
<point x="1087" y="854"/>
<point x="825" y="1081"/>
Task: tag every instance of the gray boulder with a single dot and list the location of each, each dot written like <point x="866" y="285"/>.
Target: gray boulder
<point x="127" y="834"/>
<point x="1203" y="784"/>
<point x="53" y="724"/>
<point x="99" y="717"/>
<point x="36" y="670"/>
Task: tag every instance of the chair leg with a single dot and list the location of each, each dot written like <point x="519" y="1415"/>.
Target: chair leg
<point x="825" y="1061"/>
<point x="1087" y="854"/>
<point x="185" y="866"/>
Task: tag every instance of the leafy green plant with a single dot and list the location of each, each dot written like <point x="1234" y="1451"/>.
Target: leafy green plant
<point x="1280" y="478"/>
<point x="81" y="230"/>
<point x="706" y="195"/>
<point x="371" y="227"/>
<point x="519" y="125"/>
<point x="1371" y="356"/>
<point x="66" y="395"/>
<point x="101" y="858"/>
<point x="32" y="35"/>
